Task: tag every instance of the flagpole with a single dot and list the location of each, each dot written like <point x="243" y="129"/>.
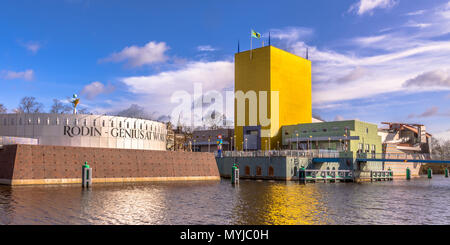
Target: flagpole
<point x="251" y="39"/>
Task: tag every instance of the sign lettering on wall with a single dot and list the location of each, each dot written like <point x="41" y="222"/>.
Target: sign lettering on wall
<point x="73" y="131"/>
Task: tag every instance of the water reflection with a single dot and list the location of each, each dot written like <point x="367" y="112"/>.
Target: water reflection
<point x="419" y="201"/>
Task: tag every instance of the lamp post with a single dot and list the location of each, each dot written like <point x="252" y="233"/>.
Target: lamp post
<point x="246" y="147"/>
<point x="209" y="141"/>
<point x="310" y="142"/>
<point x="266" y="144"/>
<point x="230" y="146"/>
<point x="345" y="147"/>
<point x="194" y="147"/>
<point x="329" y="143"/>
<point x="297" y="140"/>
<point x="234" y="146"/>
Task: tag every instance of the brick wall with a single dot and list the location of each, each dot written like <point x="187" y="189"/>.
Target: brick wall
<point x="38" y="162"/>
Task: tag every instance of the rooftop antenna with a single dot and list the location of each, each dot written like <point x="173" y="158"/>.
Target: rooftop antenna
<point x="269" y="38"/>
<point x="307" y="55"/>
<point x="238" y="47"/>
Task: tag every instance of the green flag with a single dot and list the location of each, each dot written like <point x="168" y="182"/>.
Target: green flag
<point x="256" y="35"/>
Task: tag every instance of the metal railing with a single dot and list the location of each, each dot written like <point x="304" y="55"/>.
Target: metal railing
<point x="290" y="153"/>
<point x="325" y="175"/>
<point x="393" y="156"/>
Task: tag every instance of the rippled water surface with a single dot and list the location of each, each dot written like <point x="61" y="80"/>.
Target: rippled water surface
<point x="419" y="201"/>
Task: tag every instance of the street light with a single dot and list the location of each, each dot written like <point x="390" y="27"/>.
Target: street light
<point x="246" y="147"/>
<point x="310" y="141"/>
<point x="230" y="146"/>
<point x="209" y="141"/>
<point x="297" y="140"/>
<point x="234" y="146"/>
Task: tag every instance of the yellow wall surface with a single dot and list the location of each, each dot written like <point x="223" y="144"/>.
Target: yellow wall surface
<point x="275" y="71"/>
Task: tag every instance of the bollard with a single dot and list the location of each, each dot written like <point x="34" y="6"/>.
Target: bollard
<point x="86" y="176"/>
<point x="234" y="174"/>
<point x="302" y="174"/>
<point x="430" y="173"/>
<point x="446" y="172"/>
<point x="408" y="174"/>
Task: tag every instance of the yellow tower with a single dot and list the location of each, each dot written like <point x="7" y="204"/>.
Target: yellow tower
<point x="275" y="78"/>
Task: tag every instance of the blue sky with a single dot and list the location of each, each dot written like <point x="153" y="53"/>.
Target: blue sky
<point x="374" y="60"/>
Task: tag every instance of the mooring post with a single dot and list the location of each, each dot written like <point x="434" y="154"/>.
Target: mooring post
<point x="302" y="175"/>
<point x="408" y="173"/>
<point x="234" y="174"/>
<point x="430" y="173"/>
<point x="86" y="175"/>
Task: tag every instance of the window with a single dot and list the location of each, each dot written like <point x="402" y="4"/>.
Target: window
<point x="103" y="123"/>
<point x="304" y="131"/>
<point x="94" y="122"/>
<point x="325" y="130"/>
<point x="38" y="120"/>
<point x="120" y="124"/>
<point x="314" y="130"/>
<point x="247" y="170"/>
<point x="48" y="120"/>
<point x="112" y="123"/>
<point x="85" y="122"/>
<point x="57" y="121"/>
<point x="258" y="171"/>
<point x="128" y="125"/>
<point x="12" y="121"/>
<point x="367" y="130"/>
<point x="270" y="171"/>
<point x="20" y="121"/>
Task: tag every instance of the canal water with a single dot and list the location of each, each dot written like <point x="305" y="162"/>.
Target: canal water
<point x="419" y="201"/>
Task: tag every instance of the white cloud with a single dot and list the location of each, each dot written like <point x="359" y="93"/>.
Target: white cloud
<point x="212" y="75"/>
<point x="33" y="47"/>
<point x="290" y="34"/>
<point x="367" y="6"/>
<point x="206" y="48"/>
<point x="418" y="12"/>
<point x="158" y="88"/>
<point x="437" y="78"/>
<point x="27" y="75"/>
<point x="151" y="53"/>
<point x="93" y="89"/>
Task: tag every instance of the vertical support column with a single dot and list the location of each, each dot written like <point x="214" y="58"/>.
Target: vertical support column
<point x="408" y="173"/>
<point x="234" y="174"/>
<point x="86" y="176"/>
<point x="302" y="175"/>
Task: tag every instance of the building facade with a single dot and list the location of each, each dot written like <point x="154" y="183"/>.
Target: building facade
<point x="206" y="140"/>
<point x="351" y="136"/>
<point x="86" y="130"/>
<point x="273" y="89"/>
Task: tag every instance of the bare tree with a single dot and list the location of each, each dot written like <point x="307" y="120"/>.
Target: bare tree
<point x="3" y="109"/>
<point x="440" y="149"/>
<point x="29" y="105"/>
<point x="59" y="107"/>
<point x="134" y="111"/>
<point x="83" y="111"/>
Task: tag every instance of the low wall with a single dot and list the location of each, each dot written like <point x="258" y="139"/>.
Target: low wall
<point x="39" y="164"/>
